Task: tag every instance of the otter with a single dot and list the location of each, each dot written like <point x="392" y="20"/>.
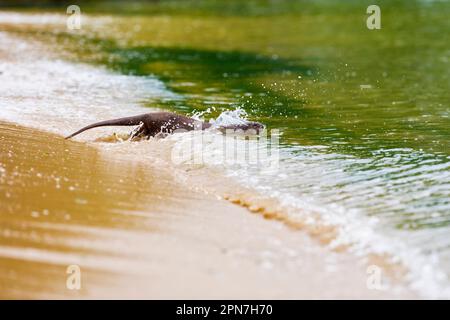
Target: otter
<point x="163" y="123"/>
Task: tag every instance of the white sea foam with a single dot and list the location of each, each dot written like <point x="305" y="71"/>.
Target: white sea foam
<point x="32" y="19"/>
<point x="366" y="198"/>
<point x="361" y="196"/>
<point x="59" y="96"/>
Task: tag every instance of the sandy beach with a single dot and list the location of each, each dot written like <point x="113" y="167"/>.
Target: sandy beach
<point x="136" y="225"/>
<point x="137" y="232"/>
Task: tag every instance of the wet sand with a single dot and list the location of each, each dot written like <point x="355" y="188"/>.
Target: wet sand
<point x="136" y="231"/>
<point x="136" y="225"/>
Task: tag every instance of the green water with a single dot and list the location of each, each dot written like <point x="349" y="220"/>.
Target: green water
<point x="378" y="100"/>
<point x="313" y="70"/>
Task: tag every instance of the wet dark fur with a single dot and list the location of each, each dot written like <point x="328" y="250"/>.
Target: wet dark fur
<point x="152" y="124"/>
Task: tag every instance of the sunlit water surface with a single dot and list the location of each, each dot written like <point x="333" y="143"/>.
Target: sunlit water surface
<point x="364" y="115"/>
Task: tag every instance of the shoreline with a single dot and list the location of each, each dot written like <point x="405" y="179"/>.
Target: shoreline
<point x="178" y="248"/>
<point x="293" y="259"/>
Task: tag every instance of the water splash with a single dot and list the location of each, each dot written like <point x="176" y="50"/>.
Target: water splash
<point x="230" y="117"/>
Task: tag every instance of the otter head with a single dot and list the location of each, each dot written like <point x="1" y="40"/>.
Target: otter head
<point x="256" y="126"/>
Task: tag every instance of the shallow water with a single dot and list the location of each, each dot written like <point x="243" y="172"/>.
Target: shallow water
<point x="364" y="115"/>
<point x="54" y="215"/>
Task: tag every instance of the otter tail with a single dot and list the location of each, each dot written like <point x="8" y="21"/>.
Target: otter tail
<point x="128" y="121"/>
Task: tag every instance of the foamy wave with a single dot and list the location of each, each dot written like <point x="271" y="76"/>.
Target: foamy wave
<point x="362" y="198"/>
<point x="59" y="96"/>
<point x="310" y="181"/>
<point x="350" y="193"/>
